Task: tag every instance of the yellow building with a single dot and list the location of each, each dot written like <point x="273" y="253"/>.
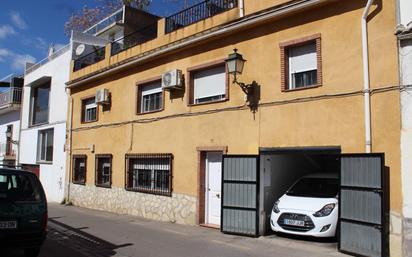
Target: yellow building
<point x="157" y="153"/>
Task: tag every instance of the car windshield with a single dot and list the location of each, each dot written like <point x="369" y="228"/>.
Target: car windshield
<point x="315" y="187"/>
<point x="19" y="188"/>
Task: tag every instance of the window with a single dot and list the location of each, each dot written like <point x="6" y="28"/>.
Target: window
<point x="45" y="145"/>
<point x="301" y="66"/>
<point x="209" y="85"/>
<point x="104" y="170"/>
<point x="79" y="169"/>
<point x="150" y="173"/>
<point x="150" y="97"/>
<point x="89" y="110"/>
<point x="39" y="107"/>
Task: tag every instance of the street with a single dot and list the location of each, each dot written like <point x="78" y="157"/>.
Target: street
<point x="81" y="232"/>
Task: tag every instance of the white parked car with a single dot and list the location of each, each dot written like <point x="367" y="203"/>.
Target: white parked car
<point x="309" y="207"/>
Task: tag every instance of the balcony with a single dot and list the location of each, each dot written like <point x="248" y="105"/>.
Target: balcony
<point x="10" y="99"/>
<point x="106" y="23"/>
<point x="144" y="33"/>
<point x="197" y="13"/>
<point x="89" y="59"/>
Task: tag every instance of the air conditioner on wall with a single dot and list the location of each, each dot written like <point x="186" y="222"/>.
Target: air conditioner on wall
<point x="172" y="79"/>
<point x="102" y="96"/>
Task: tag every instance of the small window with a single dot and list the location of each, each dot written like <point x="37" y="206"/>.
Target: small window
<point x="104" y="170"/>
<point x="209" y="85"/>
<point x="39" y="107"/>
<point x="301" y="66"/>
<point x="150" y="173"/>
<point x="89" y="110"/>
<point x="45" y="145"/>
<point x="79" y="169"/>
<point x="150" y="97"/>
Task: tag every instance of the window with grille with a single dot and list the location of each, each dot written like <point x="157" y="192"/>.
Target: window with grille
<point x="79" y="169"/>
<point x="104" y="170"/>
<point x="150" y="173"/>
<point x="89" y="110"/>
<point x="150" y="97"/>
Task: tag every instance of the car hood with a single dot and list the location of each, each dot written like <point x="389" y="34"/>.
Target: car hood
<point x="311" y="204"/>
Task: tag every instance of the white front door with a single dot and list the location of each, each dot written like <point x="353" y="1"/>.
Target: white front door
<point x="213" y="187"/>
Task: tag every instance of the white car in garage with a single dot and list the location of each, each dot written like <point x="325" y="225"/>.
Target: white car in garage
<point x="309" y="207"/>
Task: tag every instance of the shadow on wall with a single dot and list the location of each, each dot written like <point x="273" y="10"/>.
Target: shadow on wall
<point x="77" y="239"/>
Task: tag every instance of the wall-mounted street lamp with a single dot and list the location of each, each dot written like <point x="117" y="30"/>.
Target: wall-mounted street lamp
<point x="9" y="135"/>
<point x="235" y="64"/>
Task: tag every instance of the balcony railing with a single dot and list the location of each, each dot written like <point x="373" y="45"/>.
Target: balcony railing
<point x="10" y="96"/>
<point x="138" y="37"/>
<point x="197" y="13"/>
<point x="53" y="56"/>
<point x="114" y="18"/>
<point x="89" y="59"/>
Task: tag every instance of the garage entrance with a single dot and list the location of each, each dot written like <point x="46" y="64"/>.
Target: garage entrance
<point x="257" y="182"/>
<point x="282" y="167"/>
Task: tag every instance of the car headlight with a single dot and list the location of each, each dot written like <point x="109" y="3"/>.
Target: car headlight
<point x="325" y="211"/>
<point x="275" y="207"/>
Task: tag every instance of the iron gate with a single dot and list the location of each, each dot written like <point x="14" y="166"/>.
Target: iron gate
<point x="240" y="197"/>
<point x="362" y="205"/>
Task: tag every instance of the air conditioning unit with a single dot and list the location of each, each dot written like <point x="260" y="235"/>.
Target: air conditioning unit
<point x="172" y="79"/>
<point x="102" y="96"/>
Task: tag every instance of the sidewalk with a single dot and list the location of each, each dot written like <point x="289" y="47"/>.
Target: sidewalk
<point x="102" y="234"/>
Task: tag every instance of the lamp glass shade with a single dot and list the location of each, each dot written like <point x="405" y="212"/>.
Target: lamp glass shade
<point x="8" y="133"/>
<point x="235" y="63"/>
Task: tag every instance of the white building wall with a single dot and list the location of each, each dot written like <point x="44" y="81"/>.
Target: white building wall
<point x="52" y="175"/>
<point x="10" y="118"/>
<point x="405" y="11"/>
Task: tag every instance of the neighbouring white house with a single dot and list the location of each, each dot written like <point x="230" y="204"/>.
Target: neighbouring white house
<point x="404" y="34"/>
<point x="10" y="103"/>
<point x="43" y="121"/>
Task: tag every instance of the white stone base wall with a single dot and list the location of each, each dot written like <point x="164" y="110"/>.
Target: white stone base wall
<point x="179" y="208"/>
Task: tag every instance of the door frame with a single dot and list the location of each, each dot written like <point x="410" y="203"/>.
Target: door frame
<point x="201" y="179"/>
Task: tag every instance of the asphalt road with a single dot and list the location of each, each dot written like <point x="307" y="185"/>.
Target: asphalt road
<point x="77" y="232"/>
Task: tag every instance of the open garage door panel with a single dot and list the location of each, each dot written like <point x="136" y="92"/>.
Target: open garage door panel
<point x="240" y="203"/>
<point x="362" y="205"/>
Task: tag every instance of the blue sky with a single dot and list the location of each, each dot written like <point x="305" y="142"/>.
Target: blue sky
<point x="28" y="27"/>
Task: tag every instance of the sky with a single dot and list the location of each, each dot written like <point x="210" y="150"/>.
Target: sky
<point x="29" y="27"/>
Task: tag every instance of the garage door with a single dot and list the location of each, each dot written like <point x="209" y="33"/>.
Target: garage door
<point x="362" y="205"/>
<point x="240" y="195"/>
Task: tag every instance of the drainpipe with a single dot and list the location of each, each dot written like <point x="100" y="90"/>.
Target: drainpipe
<point x="70" y="126"/>
<point x="366" y="82"/>
<point x="241" y="8"/>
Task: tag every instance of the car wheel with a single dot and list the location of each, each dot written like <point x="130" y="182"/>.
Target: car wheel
<point x="32" y="252"/>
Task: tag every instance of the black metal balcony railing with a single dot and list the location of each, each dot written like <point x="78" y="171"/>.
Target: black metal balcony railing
<point x="138" y="37"/>
<point x="89" y="59"/>
<point x="197" y="13"/>
<point x="10" y="96"/>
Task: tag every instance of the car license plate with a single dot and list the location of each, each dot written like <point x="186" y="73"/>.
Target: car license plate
<point x="299" y="223"/>
<point x="11" y="224"/>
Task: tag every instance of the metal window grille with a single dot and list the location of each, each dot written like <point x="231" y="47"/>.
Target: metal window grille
<point x="79" y="169"/>
<point x="104" y="170"/>
<point x="152" y="102"/>
<point x="197" y="13"/>
<point x="149" y="173"/>
<point x="89" y="59"/>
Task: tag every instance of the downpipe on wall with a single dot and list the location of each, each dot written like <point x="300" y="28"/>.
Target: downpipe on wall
<point x="241" y="8"/>
<point x="366" y="81"/>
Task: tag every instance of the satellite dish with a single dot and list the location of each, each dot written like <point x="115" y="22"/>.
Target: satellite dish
<point x="80" y="49"/>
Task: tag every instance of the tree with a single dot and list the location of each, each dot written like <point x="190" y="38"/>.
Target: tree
<point x="88" y="16"/>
